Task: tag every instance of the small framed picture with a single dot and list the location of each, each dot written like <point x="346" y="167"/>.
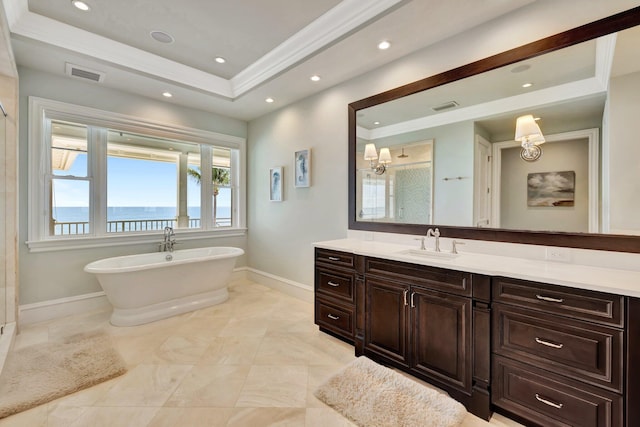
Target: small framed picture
<point x="302" y="168"/>
<point x="275" y="184"/>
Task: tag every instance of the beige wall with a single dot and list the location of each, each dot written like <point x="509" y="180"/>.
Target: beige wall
<point x="624" y="182"/>
<point x="281" y="234"/>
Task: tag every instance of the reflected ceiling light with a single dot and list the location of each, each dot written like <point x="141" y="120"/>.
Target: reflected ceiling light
<point x="520" y="68"/>
<point x="315" y="78"/>
<point x="220" y="60"/>
<point x="269" y="100"/>
<point x="526" y="85"/>
<point x="161" y="36"/>
<point x="383" y="45"/>
<point x="530" y="136"/>
<point x="167" y="94"/>
<point x="371" y="155"/>
<point x="80" y="5"/>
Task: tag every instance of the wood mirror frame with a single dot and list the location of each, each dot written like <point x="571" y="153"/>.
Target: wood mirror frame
<point x="609" y="242"/>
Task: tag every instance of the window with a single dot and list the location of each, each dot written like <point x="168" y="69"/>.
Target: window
<point x="95" y="176"/>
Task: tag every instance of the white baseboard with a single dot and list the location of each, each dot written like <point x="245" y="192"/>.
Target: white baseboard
<point x="286" y="286"/>
<point x="62" y="307"/>
<point x="54" y="309"/>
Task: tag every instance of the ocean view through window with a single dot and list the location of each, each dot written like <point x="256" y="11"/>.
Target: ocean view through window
<point x="96" y="181"/>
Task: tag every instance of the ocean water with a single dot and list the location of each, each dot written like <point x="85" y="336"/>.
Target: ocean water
<point x="75" y="214"/>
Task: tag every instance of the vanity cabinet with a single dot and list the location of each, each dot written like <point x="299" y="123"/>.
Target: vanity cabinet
<point x="421" y="319"/>
<point x="335" y="276"/>
<point x="559" y="354"/>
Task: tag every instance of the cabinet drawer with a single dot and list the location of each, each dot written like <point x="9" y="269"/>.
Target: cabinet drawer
<point x="577" y="349"/>
<point x="335" y="284"/>
<point x="441" y="279"/>
<point x="342" y="259"/>
<point x="335" y="318"/>
<point x="576" y="303"/>
<point x="550" y="400"/>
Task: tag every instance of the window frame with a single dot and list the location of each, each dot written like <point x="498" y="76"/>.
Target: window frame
<point x="43" y="111"/>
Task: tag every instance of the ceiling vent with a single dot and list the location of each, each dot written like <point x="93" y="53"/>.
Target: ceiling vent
<point x="445" y="106"/>
<point x="84" y="73"/>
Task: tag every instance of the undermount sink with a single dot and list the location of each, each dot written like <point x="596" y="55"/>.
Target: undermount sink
<point x="425" y="253"/>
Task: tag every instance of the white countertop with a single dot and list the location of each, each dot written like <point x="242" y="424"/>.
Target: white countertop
<point x="611" y="280"/>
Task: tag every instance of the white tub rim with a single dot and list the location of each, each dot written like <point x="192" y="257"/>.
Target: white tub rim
<point x="98" y="266"/>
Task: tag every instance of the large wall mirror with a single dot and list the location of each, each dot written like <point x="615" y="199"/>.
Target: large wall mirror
<point x="442" y="151"/>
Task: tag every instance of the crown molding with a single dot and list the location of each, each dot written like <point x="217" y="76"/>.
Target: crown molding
<point x="335" y="24"/>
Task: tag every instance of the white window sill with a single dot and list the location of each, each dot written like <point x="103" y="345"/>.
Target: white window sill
<point x="155" y="237"/>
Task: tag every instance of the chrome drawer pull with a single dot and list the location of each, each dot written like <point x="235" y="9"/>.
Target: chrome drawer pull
<point x="548" y="402"/>
<point x="332" y="317"/>
<point x="335" y="285"/>
<point x="549" y="299"/>
<point x="548" y="344"/>
<point x="404" y="294"/>
<point x="334" y="258"/>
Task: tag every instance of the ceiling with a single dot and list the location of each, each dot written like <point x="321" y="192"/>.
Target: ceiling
<point x="271" y="48"/>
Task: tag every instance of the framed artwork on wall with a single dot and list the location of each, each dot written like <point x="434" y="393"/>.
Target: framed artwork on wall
<point x="275" y="184"/>
<point x="302" y="168"/>
<point x="551" y="189"/>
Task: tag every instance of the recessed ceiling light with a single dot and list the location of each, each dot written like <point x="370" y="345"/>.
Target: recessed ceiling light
<point x="161" y="36"/>
<point x="269" y="100"/>
<point x="384" y="45"/>
<point x="315" y="78"/>
<point x="167" y="94"/>
<point x="80" y="5"/>
<point x="220" y="60"/>
<point x="376" y="123"/>
<point x="526" y="85"/>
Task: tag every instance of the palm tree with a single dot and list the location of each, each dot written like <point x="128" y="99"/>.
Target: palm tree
<point x="219" y="176"/>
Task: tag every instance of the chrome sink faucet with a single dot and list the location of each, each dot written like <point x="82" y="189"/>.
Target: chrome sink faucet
<point x="435" y="233"/>
<point x="168" y="241"/>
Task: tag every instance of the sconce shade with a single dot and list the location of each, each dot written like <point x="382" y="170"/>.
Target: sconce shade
<point x="370" y="152"/>
<point x="527" y="131"/>
<point x="385" y="156"/>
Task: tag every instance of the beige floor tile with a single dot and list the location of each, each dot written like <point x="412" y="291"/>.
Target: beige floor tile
<point x="36" y="417"/>
<point x="101" y="417"/>
<point x="191" y="417"/>
<point x="324" y="417"/>
<point x="181" y="349"/>
<point x="231" y="351"/>
<point x="272" y="417"/>
<point x="245" y="327"/>
<point x="284" y="349"/>
<point x="275" y="386"/>
<point x="145" y="385"/>
<point x="210" y="386"/>
<point x="318" y="374"/>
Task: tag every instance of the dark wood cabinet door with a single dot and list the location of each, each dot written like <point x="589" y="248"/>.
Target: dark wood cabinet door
<point x="386" y="328"/>
<point x="441" y="342"/>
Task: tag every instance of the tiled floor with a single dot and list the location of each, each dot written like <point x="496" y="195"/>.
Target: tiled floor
<point x="252" y="361"/>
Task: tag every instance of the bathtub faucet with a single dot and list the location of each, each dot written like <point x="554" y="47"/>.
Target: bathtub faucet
<point x="168" y="241"/>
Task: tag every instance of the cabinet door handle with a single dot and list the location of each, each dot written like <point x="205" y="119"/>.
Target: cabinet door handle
<point x="548" y="344"/>
<point x="334" y="258"/>
<point x="404" y="295"/>
<point x="413" y="304"/>
<point x="549" y="299"/>
<point x="335" y="285"/>
<point x="332" y="317"/>
<point x="548" y="402"/>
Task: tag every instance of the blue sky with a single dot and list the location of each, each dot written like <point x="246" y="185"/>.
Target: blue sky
<point x="131" y="182"/>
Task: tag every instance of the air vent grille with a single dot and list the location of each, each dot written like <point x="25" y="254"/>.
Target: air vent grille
<point x="445" y="106"/>
<point x="84" y="73"/>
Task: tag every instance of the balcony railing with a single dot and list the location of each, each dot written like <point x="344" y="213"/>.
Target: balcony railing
<point x="127" y="225"/>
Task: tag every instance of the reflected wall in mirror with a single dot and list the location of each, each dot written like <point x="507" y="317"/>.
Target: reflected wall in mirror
<point x="402" y="193"/>
<point x="583" y="91"/>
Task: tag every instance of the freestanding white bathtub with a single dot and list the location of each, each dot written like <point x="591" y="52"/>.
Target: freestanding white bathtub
<point x="147" y="287"/>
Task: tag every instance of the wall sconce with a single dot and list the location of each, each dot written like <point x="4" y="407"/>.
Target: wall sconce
<point x="530" y="136"/>
<point x="371" y="154"/>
